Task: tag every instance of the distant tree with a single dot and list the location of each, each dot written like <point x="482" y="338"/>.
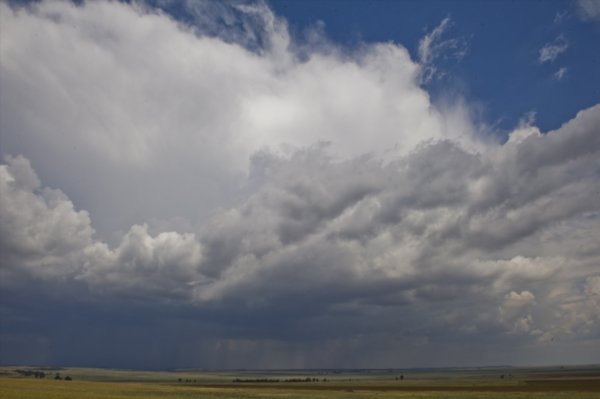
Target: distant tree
<point x="179" y="380"/>
<point x="402" y="376"/>
<point x="68" y="378"/>
<point x="57" y="376"/>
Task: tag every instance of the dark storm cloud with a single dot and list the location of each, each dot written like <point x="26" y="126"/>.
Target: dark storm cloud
<point x="331" y="249"/>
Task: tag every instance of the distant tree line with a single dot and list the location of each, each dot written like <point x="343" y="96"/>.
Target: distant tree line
<point x="272" y="380"/>
<point x="39" y="374"/>
<point x="31" y="373"/>
<point x="185" y="380"/>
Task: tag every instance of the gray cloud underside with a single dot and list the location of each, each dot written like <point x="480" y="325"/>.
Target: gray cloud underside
<point x="385" y="222"/>
<point x="468" y="244"/>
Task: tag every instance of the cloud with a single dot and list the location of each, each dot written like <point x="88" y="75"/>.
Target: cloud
<point x="44" y="236"/>
<point x="561" y="16"/>
<point x="433" y="48"/>
<point x="318" y="245"/>
<point x="91" y="87"/>
<point x="41" y="231"/>
<point x="561" y="73"/>
<point x="250" y="24"/>
<point x="514" y="310"/>
<point x="324" y="241"/>
<point x="550" y="51"/>
<point x="588" y="10"/>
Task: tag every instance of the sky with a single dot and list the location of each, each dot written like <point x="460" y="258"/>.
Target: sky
<point x="299" y="184"/>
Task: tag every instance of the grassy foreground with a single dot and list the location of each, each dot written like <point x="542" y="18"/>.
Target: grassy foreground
<point x="453" y="384"/>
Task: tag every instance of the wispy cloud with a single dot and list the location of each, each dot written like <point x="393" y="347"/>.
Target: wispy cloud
<point x="553" y="49"/>
<point x="561" y="16"/>
<point x="434" y="48"/>
<point x="561" y="73"/>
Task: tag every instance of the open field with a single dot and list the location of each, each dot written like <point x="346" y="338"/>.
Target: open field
<point x="564" y="382"/>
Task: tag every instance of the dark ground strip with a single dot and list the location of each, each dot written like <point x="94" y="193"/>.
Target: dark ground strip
<point x="583" y="385"/>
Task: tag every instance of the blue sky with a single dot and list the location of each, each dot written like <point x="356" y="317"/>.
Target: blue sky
<point x="301" y="184"/>
<point x="500" y="71"/>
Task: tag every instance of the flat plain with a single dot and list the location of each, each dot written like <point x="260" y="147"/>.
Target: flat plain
<point x="490" y="383"/>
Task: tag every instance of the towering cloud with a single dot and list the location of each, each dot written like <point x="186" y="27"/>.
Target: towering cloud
<point x="126" y="92"/>
<point x="275" y="206"/>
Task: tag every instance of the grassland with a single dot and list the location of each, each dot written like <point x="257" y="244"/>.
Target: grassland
<point x="570" y="382"/>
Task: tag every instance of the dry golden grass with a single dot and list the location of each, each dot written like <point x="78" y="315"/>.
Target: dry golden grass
<point x="115" y="384"/>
